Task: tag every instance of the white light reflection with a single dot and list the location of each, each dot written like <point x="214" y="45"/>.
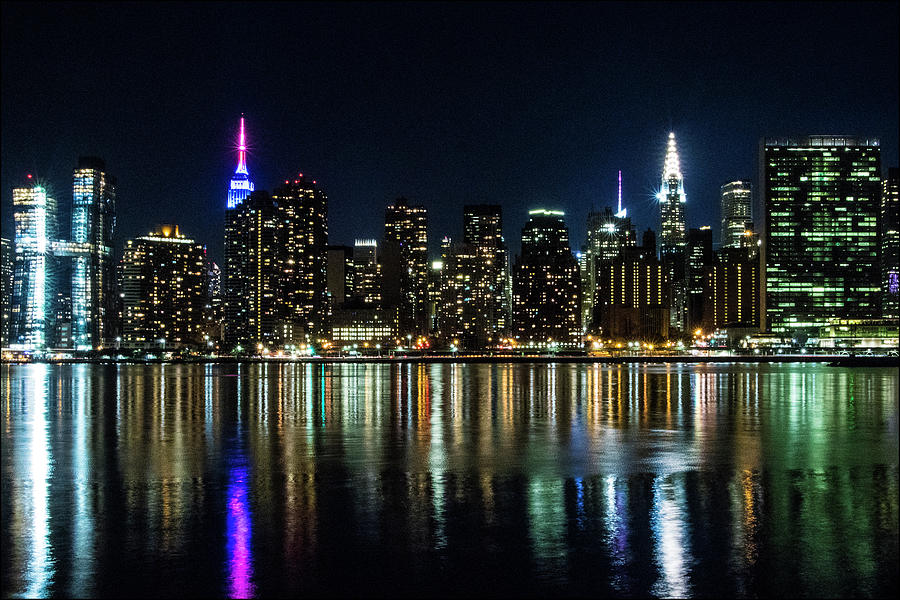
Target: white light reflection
<point x="83" y="550"/>
<point x="40" y="570"/>
<point x="667" y="524"/>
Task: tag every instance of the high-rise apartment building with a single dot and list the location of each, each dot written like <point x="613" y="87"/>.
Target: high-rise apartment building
<point x="93" y="268"/>
<point x="490" y="285"/>
<point x="820" y="242"/>
<point x="164" y="278"/>
<point x="736" y="201"/>
<point x="302" y="259"/>
<point x="34" y="272"/>
<point x="546" y="285"/>
<point x="731" y="291"/>
<point x="366" y="272"/>
<point x="405" y="278"/>
<point x="255" y="275"/>
<point x="890" y="244"/>
<point x="633" y="295"/>
<point x="6" y="287"/>
<point x="607" y="234"/>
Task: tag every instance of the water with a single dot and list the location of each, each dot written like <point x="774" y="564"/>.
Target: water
<point x="519" y="479"/>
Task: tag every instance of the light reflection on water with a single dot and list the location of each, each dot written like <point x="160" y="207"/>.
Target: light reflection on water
<point x="268" y="479"/>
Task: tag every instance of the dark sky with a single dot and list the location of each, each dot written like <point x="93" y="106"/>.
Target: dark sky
<point x="525" y="105"/>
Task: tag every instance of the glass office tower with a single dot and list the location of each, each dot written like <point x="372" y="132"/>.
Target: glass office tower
<point x="736" y="198"/>
<point x="34" y="284"/>
<point x="93" y="270"/>
<point x="820" y="243"/>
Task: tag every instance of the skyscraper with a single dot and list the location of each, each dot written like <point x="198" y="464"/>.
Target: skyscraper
<point x="302" y="259"/>
<point x="490" y="286"/>
<point x="820" y="242"/>
<point x="632" y="295"/>
<point x="405" y="279"/>
<point x="93" y="268"/>
<point x="731" y="291"/>
<point x="736" y="198"/>
<point x="699" y="256"/>
<point x="607" y="234"/>
<point x="236" y="285"/>
<point x="546" y="284"/>
<point x="671" y="203"/>
<point x="366" y="272"/>
<point x="6" y="287"/>
<point x="254" y="277"/>
<point x="34" y="282"/>
<point x="890" y="244"/>
<point x="165" y="291"/>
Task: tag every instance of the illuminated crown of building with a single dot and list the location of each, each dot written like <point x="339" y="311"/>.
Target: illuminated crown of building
<point x="240" y="185"/>
<point x="672" y="180"/>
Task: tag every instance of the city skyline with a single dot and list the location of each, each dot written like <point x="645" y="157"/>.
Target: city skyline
<point x="563" y="152"/>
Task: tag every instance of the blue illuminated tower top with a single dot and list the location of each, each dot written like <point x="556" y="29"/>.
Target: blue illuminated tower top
<point x="240" y="185"/>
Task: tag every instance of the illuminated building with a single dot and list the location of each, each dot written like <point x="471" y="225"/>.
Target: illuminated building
<point x="483" y="233"/>
<point x="671" y="204"/>
<point x="890" y="244"/>
<point x="736" y="198"/>
<point x="302" y="261"/>
<point x="405" y="266"/>
<point x="699" y="255"/>
<point x="546" y="285"/>
<point x="632" y="295"/>
<point x="253" y="280"/>
<point x="366" y="272"/>
<point x="236" y="250"/>
<point x="6" y="287"/>
<point x="93" y="271"/>
<point x="820" y="242"/>
<point x="361" y="325"/>
<point x="34" y="281"/>
<point x="164" y="278"/>
<point x="458" y="320"/>
<point x="672" y="237"/>
<point x="731" y="291"/>
<point x="607" y="234"/>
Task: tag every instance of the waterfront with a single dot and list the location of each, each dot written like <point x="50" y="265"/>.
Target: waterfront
<point x="408" y="479"/>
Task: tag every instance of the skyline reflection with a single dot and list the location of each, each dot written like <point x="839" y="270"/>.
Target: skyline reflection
<point x="667" y="480"/>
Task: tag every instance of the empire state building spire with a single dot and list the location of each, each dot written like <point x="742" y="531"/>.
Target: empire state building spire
<point x="671" y="203"/>
<point x="240" y="185"/>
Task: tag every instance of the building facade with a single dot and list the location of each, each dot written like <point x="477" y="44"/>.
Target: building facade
<point x="93" y="270"/>
<point x="302" y="259"/>
<point x="890" y="245"/>
<point x="34" y="272"/>
<point x="546" y="285"/>
<point x="632" y="296"/>
<point x="165" y="291"/>
<point x="820" y="241"/>
<point x="6" y="287"/>
<point x="405" y="278"/>
<point x="736" y="203"/>
<point x="731" y="291"/>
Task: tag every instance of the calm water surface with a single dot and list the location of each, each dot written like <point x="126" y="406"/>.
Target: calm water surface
<point x="377" y="479"/>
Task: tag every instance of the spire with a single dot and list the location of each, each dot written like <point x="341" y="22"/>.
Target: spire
<point x="620" y="213"/>
<point x="242" y="149"/>
<point x="672" y="168"/>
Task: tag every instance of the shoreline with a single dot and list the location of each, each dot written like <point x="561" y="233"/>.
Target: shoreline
<point x="833" y="360"/>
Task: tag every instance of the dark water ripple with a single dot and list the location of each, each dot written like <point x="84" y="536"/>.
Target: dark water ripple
<point x="404" y="480"/>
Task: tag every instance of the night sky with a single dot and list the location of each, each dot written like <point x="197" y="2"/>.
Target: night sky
<point x="535" y="105"/>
